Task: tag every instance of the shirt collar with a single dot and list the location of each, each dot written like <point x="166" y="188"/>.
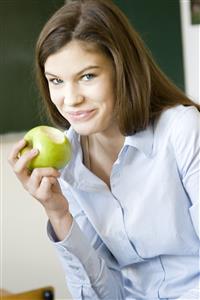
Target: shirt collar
<point x="142" y="140"/>
<point x="76" y="176"/>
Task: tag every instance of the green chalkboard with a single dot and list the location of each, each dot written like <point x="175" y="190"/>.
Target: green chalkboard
<point x="20" y="23"/>
<point x="159" y="23"/>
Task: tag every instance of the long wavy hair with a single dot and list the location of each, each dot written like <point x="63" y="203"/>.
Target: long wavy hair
<point x="142" y="90"/>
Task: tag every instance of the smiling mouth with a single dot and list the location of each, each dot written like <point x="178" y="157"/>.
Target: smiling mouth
<point x="81" y="115"/>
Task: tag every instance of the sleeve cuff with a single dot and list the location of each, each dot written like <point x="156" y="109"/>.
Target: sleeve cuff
<point x="76" y="247"/>
<point x="53" y="237"/>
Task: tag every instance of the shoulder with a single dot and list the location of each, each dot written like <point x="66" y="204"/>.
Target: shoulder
<point x="186" y="123"/>
<point x="179" y="130"/>
<point x="178" y="114"/>
<point x="186" y="117"/>
<point x="178" y="120"/>
<point x="185" y="135"/>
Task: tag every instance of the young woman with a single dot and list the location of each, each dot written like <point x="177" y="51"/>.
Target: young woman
<point x="123" y="214"/>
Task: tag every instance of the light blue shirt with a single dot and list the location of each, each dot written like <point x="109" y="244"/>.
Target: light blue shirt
<point x="139" y="239"/>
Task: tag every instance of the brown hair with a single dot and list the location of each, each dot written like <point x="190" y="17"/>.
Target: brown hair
<point x="142" y="90"/>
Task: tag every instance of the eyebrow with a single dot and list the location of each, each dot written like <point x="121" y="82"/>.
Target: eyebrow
<point x="80" y="72"/>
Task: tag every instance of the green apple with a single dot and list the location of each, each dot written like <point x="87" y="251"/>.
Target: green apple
<point x="54" y="147"/>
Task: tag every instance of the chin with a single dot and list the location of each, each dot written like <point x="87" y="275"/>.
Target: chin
<point x="84" y="130"/>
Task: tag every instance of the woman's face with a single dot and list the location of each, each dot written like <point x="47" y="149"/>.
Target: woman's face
<point x="81" y="85"/>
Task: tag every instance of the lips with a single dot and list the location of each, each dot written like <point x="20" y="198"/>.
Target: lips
<point x="80" y="115"/>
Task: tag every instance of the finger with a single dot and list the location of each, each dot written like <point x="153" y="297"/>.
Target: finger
<point x="13" y="157"/>
<point x="45" y="189"/>
<point x="45" y="172"/>
<point x="22" y="162"/>
<point x="39" y="173"/>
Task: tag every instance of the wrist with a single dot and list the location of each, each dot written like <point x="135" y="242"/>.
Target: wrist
<point x="61" y="223"/>
<point x="57" y="216"/>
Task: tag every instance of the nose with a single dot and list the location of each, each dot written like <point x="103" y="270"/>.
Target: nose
<point x="72" y="95"/>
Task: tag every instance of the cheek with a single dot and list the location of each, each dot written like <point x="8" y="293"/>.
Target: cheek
<point x="56" y="97"/>
<point x="109" y="99"/>
<point x="103" y="93"/>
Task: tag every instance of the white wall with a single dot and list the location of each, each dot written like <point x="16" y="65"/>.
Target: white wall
<point x="191" y="51"/>
<point x="28" y="260"/>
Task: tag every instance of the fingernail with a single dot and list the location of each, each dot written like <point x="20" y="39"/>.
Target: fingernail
<point x="34" y="151"/>
<point x="23" y="142"/>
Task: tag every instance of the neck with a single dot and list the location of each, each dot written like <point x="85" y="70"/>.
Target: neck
<point x="110" y="142"/>
<point x="100" y="151"/>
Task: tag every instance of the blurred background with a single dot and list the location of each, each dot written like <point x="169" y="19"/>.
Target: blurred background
<point x="170" y="29"/>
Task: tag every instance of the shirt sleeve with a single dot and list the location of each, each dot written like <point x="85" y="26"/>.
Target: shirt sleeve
<point x="186" y="141"/>
<point x="88" y="275"/>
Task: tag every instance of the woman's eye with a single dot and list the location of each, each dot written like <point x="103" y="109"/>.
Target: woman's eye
<point x="56" y="81"/>
<point x="88" y="76"/>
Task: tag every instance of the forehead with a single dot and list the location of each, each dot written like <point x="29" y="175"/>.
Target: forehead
<point x="76" y="53"/>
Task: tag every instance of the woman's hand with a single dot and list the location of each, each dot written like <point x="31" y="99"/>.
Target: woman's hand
<point x="41" y="183"/>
